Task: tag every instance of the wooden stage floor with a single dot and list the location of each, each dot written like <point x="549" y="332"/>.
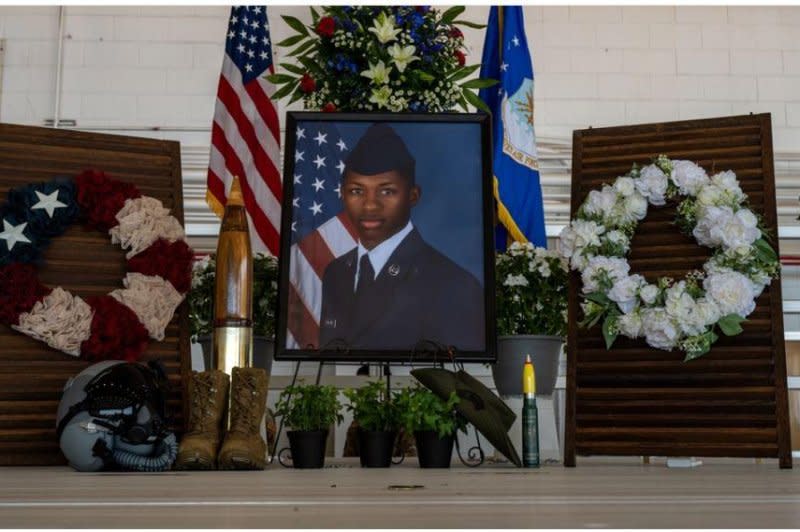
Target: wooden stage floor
<point x="598" y="493"/>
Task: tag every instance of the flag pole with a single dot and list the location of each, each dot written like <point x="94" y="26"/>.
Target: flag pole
<point x="500" y="32"/>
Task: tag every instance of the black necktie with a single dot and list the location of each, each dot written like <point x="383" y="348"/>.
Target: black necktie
<point x="366" y="276"/>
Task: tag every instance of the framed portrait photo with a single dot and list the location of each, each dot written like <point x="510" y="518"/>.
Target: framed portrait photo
<point x="387" y="250"/>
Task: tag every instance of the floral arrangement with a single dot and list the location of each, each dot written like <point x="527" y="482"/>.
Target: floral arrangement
<point x="265" y="295"/>
<point x="112" y="326"/>
<point x="531" y="291"/>
<point x="685" y="314"/>
<point x="373" y="58"/>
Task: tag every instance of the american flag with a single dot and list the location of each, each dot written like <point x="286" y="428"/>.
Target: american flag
<point x="320" y="229"/>
<point x="245" y="135"/>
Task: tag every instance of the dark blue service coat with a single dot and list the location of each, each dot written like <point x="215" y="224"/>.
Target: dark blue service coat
<point x="419" y="294"/>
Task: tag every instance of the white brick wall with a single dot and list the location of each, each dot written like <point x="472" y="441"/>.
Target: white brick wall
<point x="149" y="66"/>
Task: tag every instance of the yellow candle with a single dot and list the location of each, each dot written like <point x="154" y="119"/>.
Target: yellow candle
<point x="528" y="377"/>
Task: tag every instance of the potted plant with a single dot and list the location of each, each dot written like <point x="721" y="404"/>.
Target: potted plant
<point x="310" y="410"/>
<point x="376" y="416"/>
<point x="531" y="300"/>
<point x="432" y="421"/>
<point x="265" y="295"/>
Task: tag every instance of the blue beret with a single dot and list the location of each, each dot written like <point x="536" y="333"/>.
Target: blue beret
<point x="380" y="150"/>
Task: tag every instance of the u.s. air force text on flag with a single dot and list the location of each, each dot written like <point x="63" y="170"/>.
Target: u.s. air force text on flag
<point x="518" y="194"/>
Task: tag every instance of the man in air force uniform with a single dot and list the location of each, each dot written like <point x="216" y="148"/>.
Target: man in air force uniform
<point x="394" y="290"/>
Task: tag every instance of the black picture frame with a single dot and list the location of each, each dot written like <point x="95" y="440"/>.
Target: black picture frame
<point x="424" y="350"/>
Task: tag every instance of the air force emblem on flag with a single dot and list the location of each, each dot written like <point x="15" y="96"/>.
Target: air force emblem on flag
<point x="519" y="139"/>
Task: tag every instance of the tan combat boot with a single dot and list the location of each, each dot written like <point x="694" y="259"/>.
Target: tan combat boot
<point x="244" y="448"/>
<point x="208" y="396"/>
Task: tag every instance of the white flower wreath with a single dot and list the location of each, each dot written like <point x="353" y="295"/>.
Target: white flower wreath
<point x="670" y="314"/>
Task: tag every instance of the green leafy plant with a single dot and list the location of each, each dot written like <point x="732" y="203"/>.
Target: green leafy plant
<point x="309" y="407"/>
<point x="421" y="409"/>
<point x="531" y="291"/>
<point x="265" y="296"/>
<point x="371" y="58"/>
<point x="371" y="407"/>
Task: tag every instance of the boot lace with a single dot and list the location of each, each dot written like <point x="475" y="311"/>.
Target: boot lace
<point x="203" y="401"/>
<point x="244" y="407"/>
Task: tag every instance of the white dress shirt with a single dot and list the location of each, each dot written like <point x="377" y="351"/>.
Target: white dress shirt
<point x="381" y="253"/>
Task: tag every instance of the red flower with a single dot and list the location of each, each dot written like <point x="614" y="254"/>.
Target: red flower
<point x="307" y="84"/>
<point x="462" y="59"/>
<point x="20" y="289"/>
<point x="456" y="33"/>
<point x="326" y="26"/>
<point x="101" y="197"/>
<point x="116" y="333"/>
<point x="169" y="260"/>
<point x="329" y="108"/>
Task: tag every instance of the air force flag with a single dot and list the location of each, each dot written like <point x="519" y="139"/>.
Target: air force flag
<point x="517" y="191"/>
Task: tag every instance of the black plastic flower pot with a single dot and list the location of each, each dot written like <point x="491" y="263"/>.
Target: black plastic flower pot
<point x="375" y="447"/>
<point x="308" y="448"/>
<point x="432" y="450"/>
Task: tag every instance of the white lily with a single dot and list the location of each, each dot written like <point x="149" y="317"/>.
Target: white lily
<point x="379" y="74"/>
<point x="402" y="55"/>
<point x="380" y="97"/>
<point x="383" y="28"/>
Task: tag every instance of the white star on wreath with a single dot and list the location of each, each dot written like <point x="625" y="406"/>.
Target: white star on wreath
<point x="48" y="202"/>
<point x="13" y="234"/>
<point x="669" y="314"/>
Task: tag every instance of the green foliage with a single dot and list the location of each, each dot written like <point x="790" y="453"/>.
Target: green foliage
<point x="421" y="409"/>
<point x="309" y="407"/>
<point x="531" y="291"/>
<point x="371" y="409"/>
<point x="421" y="48"/>
<point x="265" y="296"/>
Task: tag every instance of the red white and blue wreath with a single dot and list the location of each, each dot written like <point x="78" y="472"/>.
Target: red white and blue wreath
<point x="685" y="314"/>
<point x="113" y="326"/>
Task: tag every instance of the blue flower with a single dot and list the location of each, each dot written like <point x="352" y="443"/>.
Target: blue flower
<point x="417" y="107"/>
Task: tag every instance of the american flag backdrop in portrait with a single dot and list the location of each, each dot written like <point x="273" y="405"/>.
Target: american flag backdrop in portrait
<point x="320" y="229"/>
<point x="245" y="135"/>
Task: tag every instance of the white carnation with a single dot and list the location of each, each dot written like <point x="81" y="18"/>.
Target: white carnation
<point x="732" y="292"/>
<point x="688" y="177"/>
<point x="625" y="186"/>
<point x="578" y="235"/>
<point x="710" y="194"/>
<point x="649" y="294"/>
<point x="728" y="183"/>
<point x="709" y="221"/>
<point x="677" y="302"/>
<point x="601" y="202"/>
<point x="630" y="325"/>
<point x="652" y="184"/>
<point x="625" y="292"/>
<point x="614" y="268"/>
<point x="739" y="230"/>
<point x="659" y="329"/>
<point x="634" y="207"/>
<point x="704" y="313"/>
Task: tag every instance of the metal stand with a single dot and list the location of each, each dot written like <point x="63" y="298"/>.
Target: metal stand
<point x="435" y="351"/>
